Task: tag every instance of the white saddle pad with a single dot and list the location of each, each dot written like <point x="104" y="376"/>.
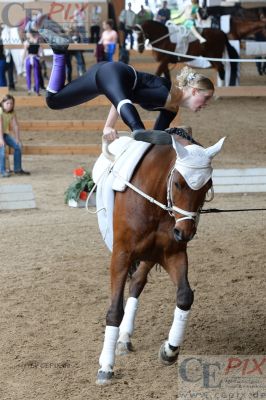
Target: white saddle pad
<point x="181" y="36"/>
<point x="111" y="176"/>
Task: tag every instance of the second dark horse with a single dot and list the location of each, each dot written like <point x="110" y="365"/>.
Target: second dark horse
<point x="217" y="43"/>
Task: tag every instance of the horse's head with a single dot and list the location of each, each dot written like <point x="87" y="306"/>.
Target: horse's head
<point x="141" y="38"/>
<point x="189" y="182"/>
<point x="151" y="31"/>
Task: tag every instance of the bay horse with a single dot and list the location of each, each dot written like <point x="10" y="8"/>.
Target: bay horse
<point x="217" y="43"/>
<point x="153" y="221"/>
<point x="241" y="28"/>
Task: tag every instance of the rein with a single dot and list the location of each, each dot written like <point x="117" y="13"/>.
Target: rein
<point x="217" y="210"/>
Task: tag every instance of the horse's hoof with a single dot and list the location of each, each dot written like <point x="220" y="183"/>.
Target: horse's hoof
<point x="123" y="348"/>
<point x="166" y="359"/>
<point x="104" y="377"/>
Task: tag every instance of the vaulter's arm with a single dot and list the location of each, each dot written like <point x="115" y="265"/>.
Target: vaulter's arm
<point x="109" y="131"/>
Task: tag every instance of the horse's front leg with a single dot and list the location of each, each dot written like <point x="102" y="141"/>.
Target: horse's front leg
<point x="137" y="283"/>
<point x="119" y="269"/>
<point x="177" y="267"/>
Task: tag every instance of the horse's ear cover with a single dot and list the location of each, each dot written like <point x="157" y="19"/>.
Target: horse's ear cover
<point x="194" y="162"/>
<point x="211" y="151"/>
<point x="181" y="150"/>
<point x="215" y="149"/>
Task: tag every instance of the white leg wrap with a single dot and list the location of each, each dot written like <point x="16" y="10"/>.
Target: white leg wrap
<point x="121" y="103"/>
<point x="107" y="357"/>
<point x="177" y="331"/>
<point x="127" y="324"/>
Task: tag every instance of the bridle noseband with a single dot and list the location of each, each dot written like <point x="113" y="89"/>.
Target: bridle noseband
<point x="172" y="209"/>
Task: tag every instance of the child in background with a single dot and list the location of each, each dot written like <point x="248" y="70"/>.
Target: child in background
<point x="8" y="123"/>
<point x="109" y="39"/>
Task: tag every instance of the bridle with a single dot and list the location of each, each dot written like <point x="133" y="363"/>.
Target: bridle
<point x="145" y="38"/>
<point x="173" y="210"/>
<point x="170" y="207"/>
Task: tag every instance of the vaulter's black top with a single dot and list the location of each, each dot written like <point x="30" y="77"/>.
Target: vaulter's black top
<point x="121" y="84"/>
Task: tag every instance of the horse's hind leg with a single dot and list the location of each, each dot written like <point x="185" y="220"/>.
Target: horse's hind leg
<point x="137" y="283"/>
<point x="177" y="269"/>
<point x="119" y="270"/>
<point x="221" y="72"/>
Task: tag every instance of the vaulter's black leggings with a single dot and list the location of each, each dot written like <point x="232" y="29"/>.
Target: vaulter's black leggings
<point x="115" y="80"/>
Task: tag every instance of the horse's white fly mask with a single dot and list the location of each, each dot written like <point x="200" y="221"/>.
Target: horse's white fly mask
<point x="194" y="162"/>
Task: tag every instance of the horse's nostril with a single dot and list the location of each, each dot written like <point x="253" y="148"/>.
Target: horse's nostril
<point x="178" y="235"/>
<point x="183" y="237"/>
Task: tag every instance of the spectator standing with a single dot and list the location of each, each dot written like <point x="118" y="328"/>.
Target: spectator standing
<point x="143" y="15"/>
<point x="164" y="14"/>
<point x="108" y="39"/>
<point x="148" y="9"/>
<point x="95" y="24"/>
<point x="127" y="20"/>
<point x="10" y="69"/>
<point x="31" y="55"/>
<point x="79" y="17"/>
<point x="78" y="54"/>
<point x="2" y="65"/>
<point x="5" y="35"/>
<point x="8" y="123"/>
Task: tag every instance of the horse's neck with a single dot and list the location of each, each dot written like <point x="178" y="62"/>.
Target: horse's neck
<point x="244" y="28"/>
<point x="158" y="170"/>
<point x="154" y="30"/>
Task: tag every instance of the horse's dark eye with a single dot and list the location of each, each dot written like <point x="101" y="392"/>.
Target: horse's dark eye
<point x="177" y="185"/>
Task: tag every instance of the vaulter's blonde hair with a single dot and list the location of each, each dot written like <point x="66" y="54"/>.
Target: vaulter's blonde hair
<point x="191" y="78"/>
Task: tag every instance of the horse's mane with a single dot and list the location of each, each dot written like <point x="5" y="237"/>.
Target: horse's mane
<point x="183" y="134"/>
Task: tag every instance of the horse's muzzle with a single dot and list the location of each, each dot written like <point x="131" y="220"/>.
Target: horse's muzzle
<point x="182" y="236"/>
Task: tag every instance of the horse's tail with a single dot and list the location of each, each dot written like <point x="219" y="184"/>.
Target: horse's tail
<point x="232" y="53"/>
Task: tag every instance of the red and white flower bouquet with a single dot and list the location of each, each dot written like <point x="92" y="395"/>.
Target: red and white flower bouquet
<point x="77" y="192"/>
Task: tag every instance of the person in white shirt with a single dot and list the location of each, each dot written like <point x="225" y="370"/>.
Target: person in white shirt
<point x="79" y="22"/>
<point x="127" y="20"/>
<point x="95" y="23"/>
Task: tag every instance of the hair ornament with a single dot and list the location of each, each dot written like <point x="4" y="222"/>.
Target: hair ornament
<point x="191" y="76"/>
